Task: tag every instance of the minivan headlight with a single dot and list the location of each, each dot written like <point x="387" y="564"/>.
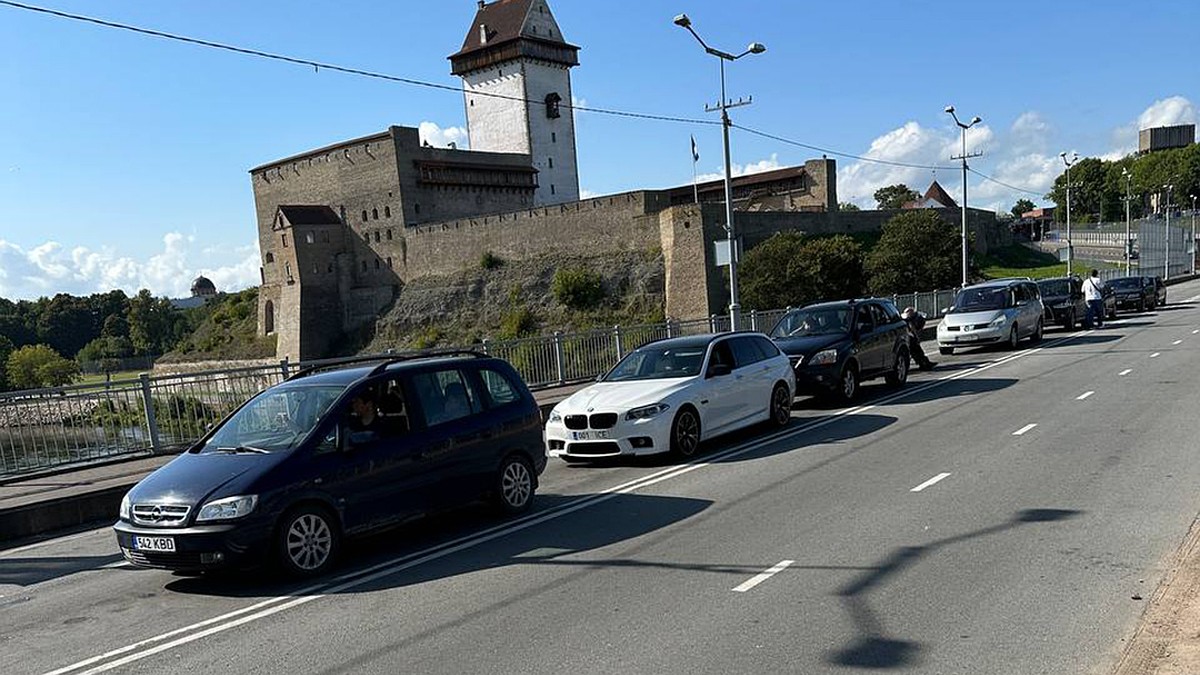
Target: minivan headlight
<point x="823" y="357"/>
<point x="227" y="508"/>
<point x="646" y="412"/>
<point x="998" y="321"/>
<point x="126" y="508"/>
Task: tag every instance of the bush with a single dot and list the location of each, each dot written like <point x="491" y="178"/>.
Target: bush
<point x="490" y="261"/>
<point x="518" y="322"/>
<point x="578" y="288"/>
<point x="34" y="366"/>
<point x="790" y="270"/>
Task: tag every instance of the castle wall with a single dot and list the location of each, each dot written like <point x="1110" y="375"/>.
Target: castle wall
<point x="497" y="124"/>
<point x="552" y="139"/>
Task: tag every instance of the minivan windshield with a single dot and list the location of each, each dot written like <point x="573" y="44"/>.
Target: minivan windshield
<point x="982" y="299"/>
<point x="814" y="321"/>
<point x="1055" y="287"/>
<point x="651" y="363"/>
<point x="275" y="420"/>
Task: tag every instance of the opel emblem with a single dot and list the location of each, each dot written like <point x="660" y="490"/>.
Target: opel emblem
<point x="156" y="513"/>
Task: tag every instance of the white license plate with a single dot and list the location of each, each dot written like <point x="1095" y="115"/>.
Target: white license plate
<point x="968" y="338"/>
<point x="163" y="544"/>
<point x="596" y="435"/>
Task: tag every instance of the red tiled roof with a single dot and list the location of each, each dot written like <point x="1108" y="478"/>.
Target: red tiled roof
<point x="939" y="195"/>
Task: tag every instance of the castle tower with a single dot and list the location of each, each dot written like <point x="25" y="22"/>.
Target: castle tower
<point x="515" y="66"/>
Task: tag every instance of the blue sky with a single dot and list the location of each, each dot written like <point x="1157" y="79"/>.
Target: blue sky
<point x="124" y="158"/>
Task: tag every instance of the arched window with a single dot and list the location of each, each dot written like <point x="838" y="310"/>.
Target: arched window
<point x="387" y="212"/>
<point x="552" y="101"/>
<point x="374" y="214"/>
<point x="270" y="257"/>
<point x="364" y="215"/>
<point x="269" y="318"/>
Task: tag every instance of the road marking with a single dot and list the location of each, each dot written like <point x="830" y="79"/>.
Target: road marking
<point x="1022" y="430"/>
<point x="1196" y="331"/>
<point x="1125" y="372"/>
<point x="1155" y="355"/>
<point x="354" y="579"/>
<point x="1193" y="298"/>
<point x="1177" y="342"/>
<point x="1084" y="395"/>
<point x="929" y="482"/>
<point x="758" y="579"/>
<point x="120" y="564"/>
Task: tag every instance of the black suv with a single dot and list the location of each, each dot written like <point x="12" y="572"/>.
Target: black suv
<point x="1134" y="292"/>
<point x="834" y="346"/>
<point x="336" y="452"/>
<point x="1064" y="303"/>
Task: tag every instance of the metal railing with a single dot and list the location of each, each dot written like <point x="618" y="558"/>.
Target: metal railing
<point x="78" y="424"/>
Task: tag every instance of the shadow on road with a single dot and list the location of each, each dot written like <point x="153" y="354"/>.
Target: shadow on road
<point x="874" y="648"/>
<point x="967" y="386"/>
<point x="35" y="570"/>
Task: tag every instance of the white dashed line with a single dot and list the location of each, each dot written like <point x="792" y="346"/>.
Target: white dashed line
<point x="929" y="482"/>
<point x="1155" y="355"/>
<point x="1125" y="372"/>
<point x="758" y="579"/>
<point x="1177" y="342"/>
<point x="1196" y="331"/>
<point x="1022" y="430"/>
<point x="1084" y="395"/>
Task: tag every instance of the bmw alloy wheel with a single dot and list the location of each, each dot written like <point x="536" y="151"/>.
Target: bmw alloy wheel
<point x="685" y="433"/>
<point x="781" y="405"/>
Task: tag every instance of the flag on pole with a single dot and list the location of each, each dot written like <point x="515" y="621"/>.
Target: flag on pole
<point x="695" y="154"/>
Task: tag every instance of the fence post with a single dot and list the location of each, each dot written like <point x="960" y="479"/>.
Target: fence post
<point x="617" y="341"/>
<point x="754" y="319"/>
<point x="712" y="323"/>
<point x="283" y="368"/>
<point x="670" y="332"/>
<point x="151" y="420"/>
<point x="485" y="345"/>
<point x="559" y="360"/>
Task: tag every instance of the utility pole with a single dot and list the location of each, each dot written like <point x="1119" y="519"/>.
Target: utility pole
<point x="1167" y="257"/>
<point x="1070" y="246"/>
<point x="1128" y="242"/>
<point x="1193" y="247"/>
<point x="964" y="156"/>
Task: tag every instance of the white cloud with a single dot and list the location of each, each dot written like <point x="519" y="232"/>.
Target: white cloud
<point x="1168" y="112"/>
<point x="440" y="138"/>
<point x="50" y="268"/>
<point x="769" y="164"/>
<point x="585" y="193"/>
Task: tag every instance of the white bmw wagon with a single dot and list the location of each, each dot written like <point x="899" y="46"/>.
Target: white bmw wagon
<point x="669" y="395"/>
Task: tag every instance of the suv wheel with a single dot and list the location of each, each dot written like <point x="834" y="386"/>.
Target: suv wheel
<point x="685" y="433"/>
<point x="898" y="375"/>
<point x="1142" y="305"/>
<point x="1013" y="337"/>
<point x="514" y="484"/>
<point x="848" y="384"/>
<point x="307" y="542"/>
<point x="1037" y="332"/>
<point x="781" y="406"/>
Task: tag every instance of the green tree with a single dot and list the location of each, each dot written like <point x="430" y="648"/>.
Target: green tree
<point x="917" y="250"/>
<point x="154" y="325"/>
<point x="788" y="270"/>
<point x="6" y="349"/>
<point x="895" y="196"/>
<point x="848" y="206"/>
<point x="107" y="351"/>
<point x="34" y="366"/>
<point x="1021" y="207"/>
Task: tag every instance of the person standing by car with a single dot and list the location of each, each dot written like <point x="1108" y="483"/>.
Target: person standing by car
<point x="1093" y="293"/>
<point x="916" y="323"/>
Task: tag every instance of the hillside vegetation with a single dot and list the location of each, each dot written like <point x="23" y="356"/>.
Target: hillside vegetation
<point x="226" y="328"/>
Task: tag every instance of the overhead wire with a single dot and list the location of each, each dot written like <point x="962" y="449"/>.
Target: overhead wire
<point x="862" y="158"/>
<point x="984" y="176"/>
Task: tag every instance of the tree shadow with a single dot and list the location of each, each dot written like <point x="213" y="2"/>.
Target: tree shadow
<point x="1105" y="335"/>
<point x="874" y="648"/>
<point x="952" y="388"/>
<point x="35" y="570"/>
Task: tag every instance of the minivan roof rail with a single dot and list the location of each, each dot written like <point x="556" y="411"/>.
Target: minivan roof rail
<point x="385" y="359"/>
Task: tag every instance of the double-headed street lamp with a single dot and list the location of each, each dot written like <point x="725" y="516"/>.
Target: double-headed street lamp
<point x="755" y="48"/>
<point x="1167" y="230"/>
<point x="963" y="157"/>
<point x="1128" y="242"/>
<point x="1070" y="248"/>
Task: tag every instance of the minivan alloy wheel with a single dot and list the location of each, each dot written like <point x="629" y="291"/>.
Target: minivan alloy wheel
<point x="309" y="541"/>
<point x="1013" y="337"/>
<point x="516" y="484"/>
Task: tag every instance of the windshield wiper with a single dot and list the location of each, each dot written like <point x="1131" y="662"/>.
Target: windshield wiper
<point x="242" y="449"/>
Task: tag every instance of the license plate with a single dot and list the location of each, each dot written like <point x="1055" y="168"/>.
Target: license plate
<point x="969" y="338"/>
<point x="163" y="544"/>
<point x="596" y="435"/>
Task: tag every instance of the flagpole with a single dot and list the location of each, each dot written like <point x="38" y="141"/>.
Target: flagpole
<point x="695" y="158"/>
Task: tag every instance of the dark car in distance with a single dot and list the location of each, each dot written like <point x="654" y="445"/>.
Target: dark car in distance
<point x="1063" y="300"/>
<point x="835" y="346"/>
<point x="1160" y="291"/>
<point x="1136" y="293"/>
<point x="338" y="452"/>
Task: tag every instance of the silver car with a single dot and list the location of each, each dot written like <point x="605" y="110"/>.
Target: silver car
<point x="1000" y="311"/>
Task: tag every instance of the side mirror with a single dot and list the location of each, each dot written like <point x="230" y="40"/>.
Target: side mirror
<point x="719" y="369"/>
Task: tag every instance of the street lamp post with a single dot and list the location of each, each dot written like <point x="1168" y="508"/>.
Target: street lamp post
<point x="963" y="157"/>
<point x="1193" y="235"/>
<point x="1128" y="242"/>
<point x="754" y="48"/>
<point x="1070" y="246"/>
<point x="1167" y="256"/>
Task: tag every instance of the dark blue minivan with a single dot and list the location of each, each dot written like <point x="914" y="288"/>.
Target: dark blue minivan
<point x="336" y="452"/>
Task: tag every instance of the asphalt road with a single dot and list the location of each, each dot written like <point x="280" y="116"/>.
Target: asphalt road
<point x="998" y="515"/>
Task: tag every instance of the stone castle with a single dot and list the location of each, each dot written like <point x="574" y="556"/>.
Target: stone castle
<point x="342" y="228"/>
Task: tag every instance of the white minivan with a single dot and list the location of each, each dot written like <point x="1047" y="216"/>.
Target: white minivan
<point x="999" y="311"/>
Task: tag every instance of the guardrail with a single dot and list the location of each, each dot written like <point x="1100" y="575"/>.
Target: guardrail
<point x="78" y="424"/>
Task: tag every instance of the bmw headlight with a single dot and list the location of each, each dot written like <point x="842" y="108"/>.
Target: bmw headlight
<point x="823" y="357"/>
<point x="555" y="416"/>
<point x="228" y="508"/>
<point x="646" y="412"/>
<point x="126" y="512"/>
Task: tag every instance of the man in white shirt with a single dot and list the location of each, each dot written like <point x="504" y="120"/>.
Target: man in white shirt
<point x="1093" y="293"/>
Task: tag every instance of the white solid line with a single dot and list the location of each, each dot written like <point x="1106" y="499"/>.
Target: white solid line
<point x="758" y="579"/>
<point x="1155" y="355"/>
<point x="1193" y="298"/>
<point x="117" y="565"/>
<point x="1084" y="395"/>
<point x="1196" y="331"/>
<point x="1022" y="430"/>
<point x="1177" y="342"/>
<point x="929" y="482"/>
<point x="1125" y="372"/>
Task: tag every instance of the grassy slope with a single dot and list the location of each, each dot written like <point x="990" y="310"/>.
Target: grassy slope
<point x="226" y="328"/>
<point x="1022" y="261"/>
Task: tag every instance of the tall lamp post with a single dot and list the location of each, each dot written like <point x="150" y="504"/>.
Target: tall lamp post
<point x="1193" y="235"/>
<point x="754" y="48"/>
<point x="1128" y="242"/>
<point x="963" y="157"/>
<point x="1070" y="247"/>
<point x="1167" y="256"/>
